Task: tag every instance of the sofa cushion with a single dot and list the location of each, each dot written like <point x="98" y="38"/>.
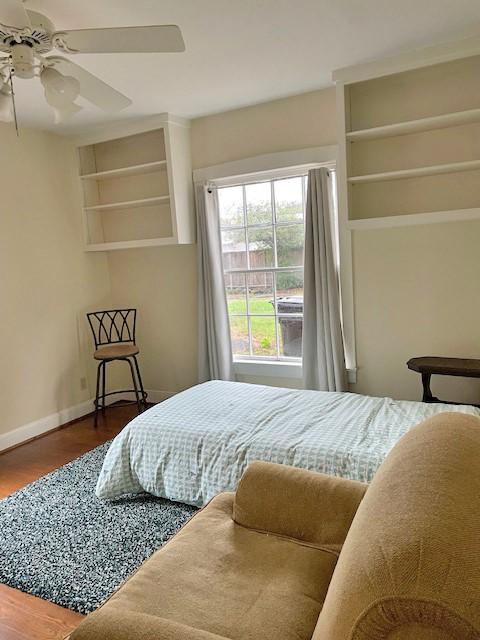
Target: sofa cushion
<point x="305" y="505"/>
<point x="410" y="566"/>
<point x="222" y="578"/>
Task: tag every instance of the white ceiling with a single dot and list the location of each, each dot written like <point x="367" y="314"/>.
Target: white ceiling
<point x="241" y="52"/>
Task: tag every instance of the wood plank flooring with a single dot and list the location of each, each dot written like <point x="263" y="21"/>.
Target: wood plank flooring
<point x="24" y="617"/>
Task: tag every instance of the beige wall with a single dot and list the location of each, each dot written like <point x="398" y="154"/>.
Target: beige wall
<point x="416" y="288"/>
<point x="306" y="120"/>
<point x="47" y="281"/>
<point x="161" y="282"/>
<point x="416" y="293"/>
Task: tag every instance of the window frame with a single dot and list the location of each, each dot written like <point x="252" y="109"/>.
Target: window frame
<point x="329" y="156"/>
<point x="256" y="178"/>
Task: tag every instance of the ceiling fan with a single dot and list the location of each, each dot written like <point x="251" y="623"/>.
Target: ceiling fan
<point x="26" y="36"/>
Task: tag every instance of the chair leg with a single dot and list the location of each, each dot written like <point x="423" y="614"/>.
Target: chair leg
<point x="135" y="386"/>
<point x="142" y="390"/>
<point x="104" y="375"/>
<point x="97" y="392"/>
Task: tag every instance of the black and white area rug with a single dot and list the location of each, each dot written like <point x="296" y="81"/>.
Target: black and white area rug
<point x="60" y="542"/>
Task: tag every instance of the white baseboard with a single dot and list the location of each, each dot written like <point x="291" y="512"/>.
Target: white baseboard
<point x="38" y="427"/>
<point x="43" y="425"/>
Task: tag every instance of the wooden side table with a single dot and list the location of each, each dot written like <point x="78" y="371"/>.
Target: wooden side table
<point x="430" y="365"/>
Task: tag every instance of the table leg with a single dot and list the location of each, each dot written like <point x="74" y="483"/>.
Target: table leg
<point x="427" y="392"/>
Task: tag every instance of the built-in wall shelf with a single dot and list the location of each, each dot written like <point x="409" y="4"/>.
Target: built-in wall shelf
<point x="416" y="126"/>
<point x="136" y="169"/>
<point x="136" y="183"/>
<point x="427" y="158"/>
<point x="129" y="204"/>
<point x="132" y="244"/>
<point x="416" y="116"/>
<point x="418" y="172"/>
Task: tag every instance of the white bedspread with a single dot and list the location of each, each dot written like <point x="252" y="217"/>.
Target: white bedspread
<point x="198" y="443"/>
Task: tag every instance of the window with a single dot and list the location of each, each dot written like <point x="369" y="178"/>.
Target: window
<point x="262" y="230"/>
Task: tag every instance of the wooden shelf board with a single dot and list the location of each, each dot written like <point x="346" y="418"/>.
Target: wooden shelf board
<point x="453" y="167"/>
<point x="415" y="126"/>
<point x="130" y="244"/>
<point x="131" y="204"/>
<point x="126" y="171"/>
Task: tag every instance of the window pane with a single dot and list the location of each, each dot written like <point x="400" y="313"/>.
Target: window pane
<point x="260" y="292"/>
<point x="261" y="231"/>
<point x="259" y="203"/>
<point x="264" y="339"/>
<point x="290" y="336"/>
<point x="239" y="335"/>
<point x="288" y="199"/>
<point x="290" y="243"/>
<point x="230" y="205"/>
<point x="236" y="292"/>
<point x="289" y="291"/>
<point x="260" y="247"/>
<point x="234" y="249"/>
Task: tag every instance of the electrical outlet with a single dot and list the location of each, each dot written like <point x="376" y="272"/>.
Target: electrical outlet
<point x="83" y="383"/>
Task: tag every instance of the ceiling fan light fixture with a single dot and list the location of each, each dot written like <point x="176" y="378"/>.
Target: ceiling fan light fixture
<point x="60" y="93"/>
<point x="23" y="61"/>
<point x="65" y="87"/>
<point x="26" y="36"/>
<point x="63" y="108"/>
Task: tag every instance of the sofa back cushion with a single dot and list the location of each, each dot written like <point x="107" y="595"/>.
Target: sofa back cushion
<point x="311" y="507"/>
<point x="410" y="566"/>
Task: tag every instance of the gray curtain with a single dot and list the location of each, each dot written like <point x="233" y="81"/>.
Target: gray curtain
<point x="323" y="353"/>
<point x="214" y="346"/>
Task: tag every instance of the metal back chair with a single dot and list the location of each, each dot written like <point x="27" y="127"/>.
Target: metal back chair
<point x="113" y="333"/>
<point x="113" y="326"/>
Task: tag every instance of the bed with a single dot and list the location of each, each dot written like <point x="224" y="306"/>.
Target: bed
<point x="198" y="443"/>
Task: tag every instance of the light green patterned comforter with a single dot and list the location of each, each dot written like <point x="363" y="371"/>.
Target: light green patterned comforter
<point x="198" y="443"/>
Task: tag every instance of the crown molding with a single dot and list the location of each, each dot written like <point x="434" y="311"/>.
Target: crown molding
<point x="424" y="57"/>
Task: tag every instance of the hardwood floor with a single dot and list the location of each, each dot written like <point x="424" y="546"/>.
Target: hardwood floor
<point x="24" y="617"/>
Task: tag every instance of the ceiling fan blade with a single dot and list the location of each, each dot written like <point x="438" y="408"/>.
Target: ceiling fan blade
<point x="92" y="88"/>
<point x="155" y="39"/>
<point x="13" y="14"/>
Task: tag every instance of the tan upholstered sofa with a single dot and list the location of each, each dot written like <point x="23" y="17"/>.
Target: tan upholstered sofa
<point x="282" y="560"/>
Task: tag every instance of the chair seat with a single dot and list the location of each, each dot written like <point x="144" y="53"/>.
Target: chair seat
<point x="115" y="351"/>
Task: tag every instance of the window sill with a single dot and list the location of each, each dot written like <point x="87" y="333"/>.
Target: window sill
<point x="277" y="369"/>
<point x="273" y="369"/>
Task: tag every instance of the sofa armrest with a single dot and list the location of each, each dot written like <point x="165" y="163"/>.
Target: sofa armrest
<point x="118" y="624"/>
<point x="310" y="507"/>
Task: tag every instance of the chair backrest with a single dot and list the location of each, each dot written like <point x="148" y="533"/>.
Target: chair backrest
<point x="112" y="326"/>
<point x="410" y="565"/>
